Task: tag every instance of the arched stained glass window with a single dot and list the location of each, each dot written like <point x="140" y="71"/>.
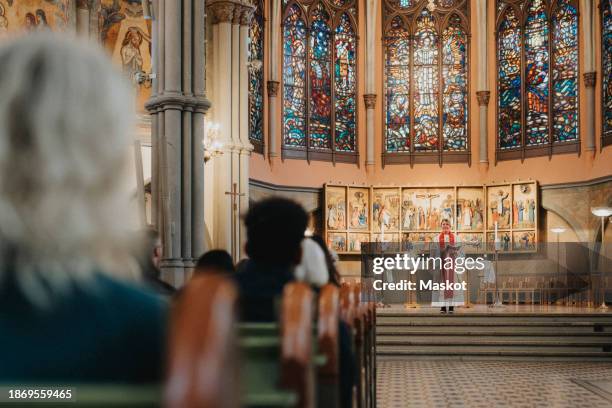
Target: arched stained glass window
<point x="426" y="81"/>
<point x="256" y="77"/>
<point x="537" y="78"/>
<point x="319" y="109"/>
<point x="606" y="69"/>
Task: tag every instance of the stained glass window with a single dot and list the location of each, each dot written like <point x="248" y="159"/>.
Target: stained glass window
<point x="426" y="80"/>
<point x="294" y="78"/>
<point x="509" y="80"/>
<point x="319" y="79"/>
<point x="606" y="20"/>
<point x="345" y="84"/>
<point x="397" y="70"/>
<point x="256" y="79"/>
<point x="537" y="77"/>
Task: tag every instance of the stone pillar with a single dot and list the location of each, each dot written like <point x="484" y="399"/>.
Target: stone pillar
<point x="370" y="103"/>
<point x="370" y="95"/>
<point x="273" y="120"/>
<point x="590" y="79"/>
<point x="222" y="14"/>
<point x="590" y="74"/>
<point x="82" y="18"/>
<point x="273" y="83"/>
<point x="178" y="105"/>
<point x="245" y="144"/>
<point x="483" y="108"/>
<point x="483" y="94"/>
<point x="231" y="22"/>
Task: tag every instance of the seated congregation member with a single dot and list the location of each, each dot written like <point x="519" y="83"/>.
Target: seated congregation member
<point x="150" y="259"/>
<point x="215" y="261"/>
<point x="67" y="314"/>
<point x="313" y="266"/>
<point x="330" y="261"/>
<point x="275" y="230"/>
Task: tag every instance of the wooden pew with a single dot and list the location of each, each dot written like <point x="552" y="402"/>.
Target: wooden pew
<point x="203" y="362"/>
<point x="324" y="352"/>
<point x="328" y="375"/>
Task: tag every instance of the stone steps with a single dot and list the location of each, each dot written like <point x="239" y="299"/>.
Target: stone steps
<point x="586" y="336"/>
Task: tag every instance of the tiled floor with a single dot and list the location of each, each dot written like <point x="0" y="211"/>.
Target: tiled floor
<point x="486" y="310"/>
<point x="476" y="384"/>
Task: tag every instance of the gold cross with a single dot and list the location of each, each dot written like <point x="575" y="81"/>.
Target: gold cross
<point x="234" y="193"/>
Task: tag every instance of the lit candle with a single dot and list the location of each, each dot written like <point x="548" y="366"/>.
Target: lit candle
<point x="496" y="237"/>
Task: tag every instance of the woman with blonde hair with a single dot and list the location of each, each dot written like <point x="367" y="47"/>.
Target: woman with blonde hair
<point x="67" y="313"/>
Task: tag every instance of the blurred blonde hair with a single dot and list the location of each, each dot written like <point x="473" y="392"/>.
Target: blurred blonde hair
<point x="65" y="114"/>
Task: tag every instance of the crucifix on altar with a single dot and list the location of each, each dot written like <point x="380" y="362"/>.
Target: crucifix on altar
<point x="235" y="195"/>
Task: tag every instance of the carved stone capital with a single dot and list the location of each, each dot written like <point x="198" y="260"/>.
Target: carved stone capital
<point x="483" y="97"/>
<point x="246" y="14"/>
<point x="590" y="79"/>
<point x="370" y="100"/>
<point x="221" y="11"/>
<point x="273" y="88"/>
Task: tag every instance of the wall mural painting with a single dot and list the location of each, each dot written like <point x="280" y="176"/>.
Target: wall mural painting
<point x="17" y="16"/>
<point x="126" y="35"/>
<point x="412" y="216"/>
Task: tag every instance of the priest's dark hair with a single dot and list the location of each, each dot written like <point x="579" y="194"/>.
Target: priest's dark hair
<point x="275" y="230"/>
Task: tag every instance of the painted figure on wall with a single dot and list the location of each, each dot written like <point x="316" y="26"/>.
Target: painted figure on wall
<point x="358" y="209"/>
<point x="3" y="20"/>
<point x="131" y="58"/>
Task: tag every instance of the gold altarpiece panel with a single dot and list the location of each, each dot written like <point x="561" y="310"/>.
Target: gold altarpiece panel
<point x="409" y="214"/>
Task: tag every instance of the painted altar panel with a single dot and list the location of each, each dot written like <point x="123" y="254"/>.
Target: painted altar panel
<point x="472" y="242"/>
<point x="524" y="206"/>
<point x="359" y="208"/>
<point x="355" y="239"/>
<point x="337" y="241"/>
<point x="499" y="206"/>
<point x="470" y="209"/>
<point x="385" y="209"/>
<point x="335" y="207"/>
<point x="423" y="209"/>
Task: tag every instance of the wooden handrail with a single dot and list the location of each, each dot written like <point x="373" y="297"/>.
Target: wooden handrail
<point x="296" y="342"/>
<point x="327" y="330"/>
<point x="202" y="367"/>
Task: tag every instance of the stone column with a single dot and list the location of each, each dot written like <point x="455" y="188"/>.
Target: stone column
<point x="370" y="103"/>
<point x="246" y="147"/>
<point x="178" y="105"/>
<point x="274" y="82"/>
<point x="590" y="79"/>
<point x="82" y="18"/>
<point x="590" y="74"/>
<point x="370" y="95"/>
<point x="483" y="108"/>
<point x="222" y="14"/>
<point x="483" y="93"/>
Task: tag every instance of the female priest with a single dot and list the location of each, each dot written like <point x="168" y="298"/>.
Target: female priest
<point x="445" y="250"/>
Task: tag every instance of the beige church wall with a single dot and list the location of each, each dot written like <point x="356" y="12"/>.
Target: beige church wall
<point x="558" y="169"/>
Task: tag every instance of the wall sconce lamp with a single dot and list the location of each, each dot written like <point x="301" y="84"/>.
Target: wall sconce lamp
<point x="213" y="146"/>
